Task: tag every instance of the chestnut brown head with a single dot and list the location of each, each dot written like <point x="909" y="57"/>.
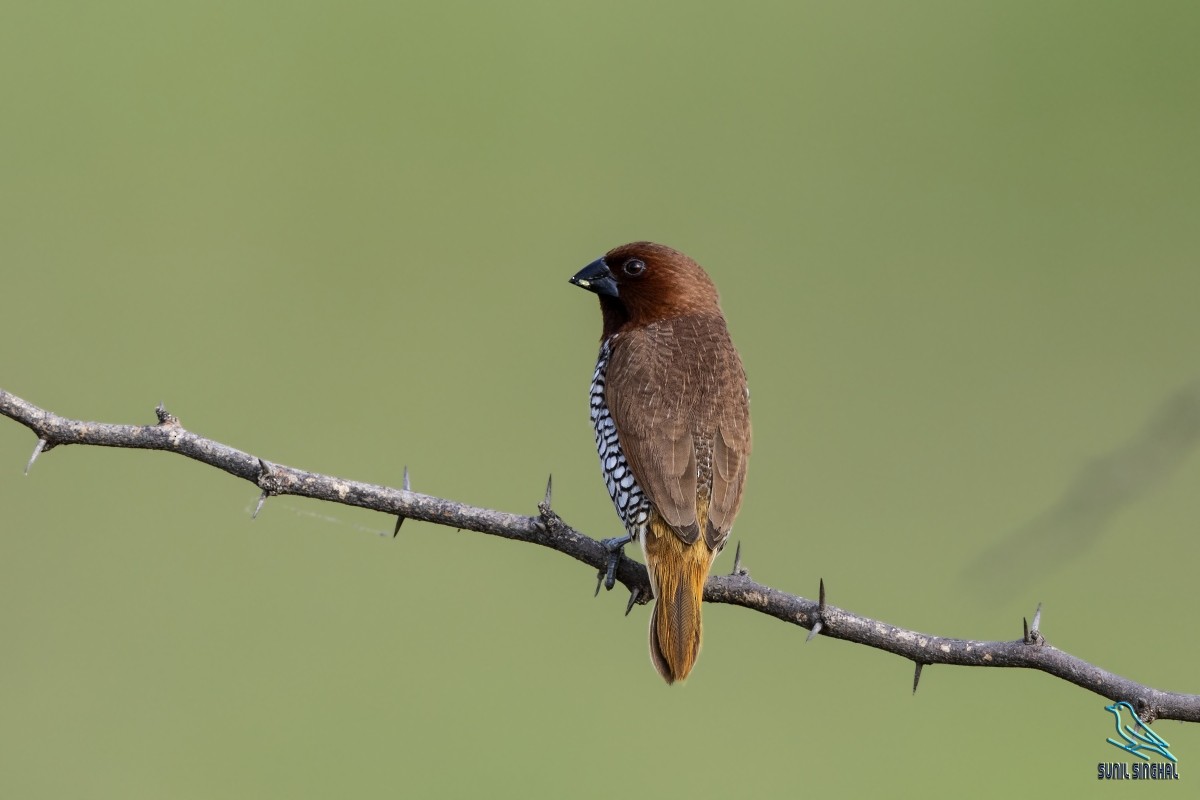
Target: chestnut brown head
<point x="641" y="283"/>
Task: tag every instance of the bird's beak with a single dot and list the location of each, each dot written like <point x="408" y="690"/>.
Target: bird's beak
<point x="596" y="277"/>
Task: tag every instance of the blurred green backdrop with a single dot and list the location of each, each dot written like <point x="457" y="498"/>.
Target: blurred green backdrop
<point x="956" y="244"/>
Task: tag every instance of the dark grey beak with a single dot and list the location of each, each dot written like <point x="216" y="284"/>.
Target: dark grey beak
<point x="596" y="277"/>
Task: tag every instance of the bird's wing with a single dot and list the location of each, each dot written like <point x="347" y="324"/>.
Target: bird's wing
<point x="677" y="394"/>
<point x="731" y="456"/>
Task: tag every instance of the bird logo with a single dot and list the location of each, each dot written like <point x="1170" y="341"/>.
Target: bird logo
<point x="671" y="413"/>
<point x="1135" y="741"/>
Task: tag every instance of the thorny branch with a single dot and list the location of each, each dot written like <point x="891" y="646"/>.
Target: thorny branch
<point x="547" y="529"/>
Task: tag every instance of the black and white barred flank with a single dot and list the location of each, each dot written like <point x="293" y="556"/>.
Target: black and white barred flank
<point x="626" y="495"/>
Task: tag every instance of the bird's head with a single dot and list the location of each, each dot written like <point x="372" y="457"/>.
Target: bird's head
<point x="642" y="282"/>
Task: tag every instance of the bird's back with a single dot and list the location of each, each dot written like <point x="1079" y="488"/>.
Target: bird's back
<point x="677" y="393"/>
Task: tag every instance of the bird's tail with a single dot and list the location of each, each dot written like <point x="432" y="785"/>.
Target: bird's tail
<point x="678" y="571"/>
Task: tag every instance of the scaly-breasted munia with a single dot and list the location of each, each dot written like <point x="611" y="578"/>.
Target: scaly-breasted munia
<point x="672" y="415"/>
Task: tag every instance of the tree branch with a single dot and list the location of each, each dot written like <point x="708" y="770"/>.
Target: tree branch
<point x="548" y="530"/>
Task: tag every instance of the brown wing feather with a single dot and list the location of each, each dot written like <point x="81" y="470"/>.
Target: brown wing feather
<point x="677" y="393"/>
<point x="731" y="448"/>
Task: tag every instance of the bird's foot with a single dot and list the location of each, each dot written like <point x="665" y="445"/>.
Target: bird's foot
<point x="615" y="548"/>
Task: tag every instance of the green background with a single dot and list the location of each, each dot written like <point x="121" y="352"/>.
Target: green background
<point x="956" y="244"/>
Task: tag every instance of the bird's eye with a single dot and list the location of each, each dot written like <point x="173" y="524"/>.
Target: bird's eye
<point x="634" y="267"/>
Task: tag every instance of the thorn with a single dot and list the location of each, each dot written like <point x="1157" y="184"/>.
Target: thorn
<point x="917" y="676"/>
<point x="400" y="517"/>
<point x="1025" y="627"/>
<point x="549" y="485"/>
<point x="264" y="482"/>
<point x="165" y="417"/>
<point x="737" y="558"/>
<point x="37" y="451"/>
<point x="820" y="623"/>
<point x="634" y="594"/>
<point x="1032" y="633"/>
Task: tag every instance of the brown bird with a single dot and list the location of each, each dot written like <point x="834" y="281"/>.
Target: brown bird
<point x="672" y="415"/>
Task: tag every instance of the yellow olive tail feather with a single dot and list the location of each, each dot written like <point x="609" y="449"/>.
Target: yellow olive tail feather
<point x="679" y="570"/>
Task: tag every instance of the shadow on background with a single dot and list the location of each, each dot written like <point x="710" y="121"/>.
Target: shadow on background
<point x="1089" y="504"/>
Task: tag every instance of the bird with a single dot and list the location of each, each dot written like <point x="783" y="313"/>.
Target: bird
<point x="671" y="412"/>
